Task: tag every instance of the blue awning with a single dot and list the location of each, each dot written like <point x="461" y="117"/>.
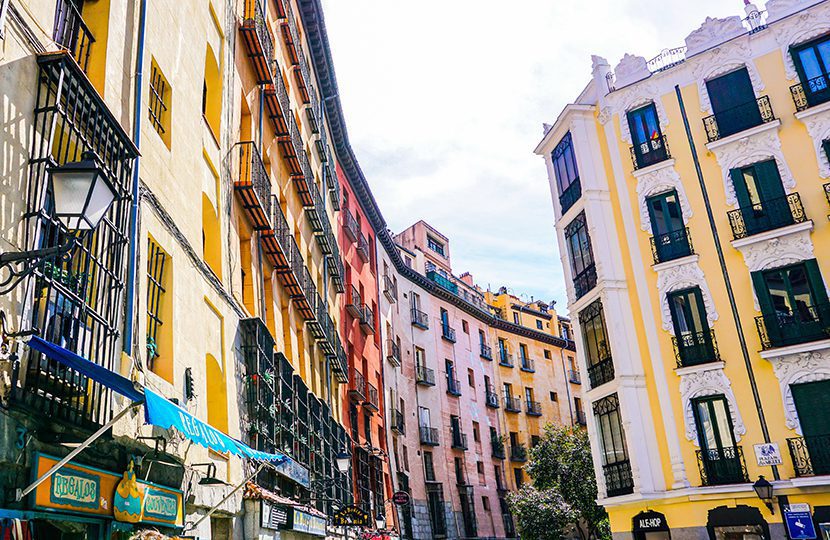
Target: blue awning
<point x="159" y="411"/>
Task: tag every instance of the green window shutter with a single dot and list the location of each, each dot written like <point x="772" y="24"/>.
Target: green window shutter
<point x="769" y="180"/>
<point x="809" y="398"/>
<point x="816" y="282"/>
<point x="826" y="146"/>
<point x="740" y="188"/>
<point x="767" y="308"/>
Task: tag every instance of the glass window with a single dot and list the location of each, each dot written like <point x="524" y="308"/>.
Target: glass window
<point x="812" y="61"/>
<point x="564" y="164"/>
<point x="613" y="447"/>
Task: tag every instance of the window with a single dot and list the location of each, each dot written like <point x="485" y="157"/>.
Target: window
<point x="519" y="476"/>
<point x="476" y="432"/>
<point x="597" y="350"/>
<point x="460" y="473"/>
<point x="670" y="239"/>
<point x="613" y="448"/>
<point x="435" y="503"/>
<point x="407" y="260"/>
<point x="159" y="102"/>
<point x="649" y="147"/>
<point x="567" y="175"/>
<point x="539" y="324"/>
<point x="367" y="426"/>
<point x="435" y="245"/>
<point x="722" y="462"/>
<point x="547" y="354"/>
<point x="581" y="256"/>
<point x="535" y="440"/>
<point x="529" y="395"/>
<point x="480" y="471"/>
<point x="429" y="468"/>
<point x="812" y="62"/>
<point x="420" y="357"/>
<point x="212" y="94"/>
<point x="485" y="502"/>
<point x="763" y="203"/>
<point x="465" y="327"/>
<point x="516" y="319"/>
<point x="554" y="396"/>
<point x="693" y="339"/>
<point x="159" y="349"/>
<point x="471" y="378"/>
<point x="734" y="105"/>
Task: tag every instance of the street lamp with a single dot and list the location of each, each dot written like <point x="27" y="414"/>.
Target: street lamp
<point x="380" y="521"/>
<point x="764" y="491"/>
<point x="344" y="460"/>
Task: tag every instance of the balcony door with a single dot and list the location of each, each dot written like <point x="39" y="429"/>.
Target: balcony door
<point x="812" y="61"/>
<point x="667" y="225"/>
<point x="761" y="197"/>
<point x="809" y="398"/>
<point x="721" y="462"/>
<point x="423" y="417"/>
<point x="646" y="135"/>
<point x="733" y="102"/>
<point x="691" y="327"/>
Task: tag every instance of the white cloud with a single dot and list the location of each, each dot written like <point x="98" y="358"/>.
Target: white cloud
<point x="444" y="101"/>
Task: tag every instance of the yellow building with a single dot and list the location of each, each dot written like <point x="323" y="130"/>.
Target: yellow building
<point x="689" y="195"/>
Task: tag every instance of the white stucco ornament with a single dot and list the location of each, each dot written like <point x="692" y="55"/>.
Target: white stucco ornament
<point x="778" y="252"/>
<point x="710" y="382"/>
<point x="778" y="9"/>
<point x="659" y="181"/>
<point x="632" y="68"/>
<point x="818" y="125"/>
<point x="713" y="32"/>
<point x="679" y="277"/>
<point x="806" y="367"/>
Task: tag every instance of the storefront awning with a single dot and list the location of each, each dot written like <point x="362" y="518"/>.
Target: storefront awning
<point x="159" y="411"/>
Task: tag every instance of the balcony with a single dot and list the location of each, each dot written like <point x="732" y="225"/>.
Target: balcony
<point x="810" y="455"/>
<point x="72" y="33"/>
<point x="571" y="194"/>
<point x="766" y="216"/>
<point x="448" y="332"/>
<point x="442" y="281"/>
<point x="424" y="376"/>
<point x="420" y="319"/>
<point x="393" y="352"/>
<point x="351" y="226"/>
<point x="486" y="352"/>
<point x="497" y="447"/>
<point x="785" y="328"/>
<point x="579" y="414"/>
<point x="618" y="478"/>
<point x="602" y="372"/>
<point x="491" y="399"/>
<point x="722" y="466"/>
<point x="585" y="281"/>
<point x="534" y="408"/>
<point x="453" y="387"/>
<point x="354" y="304"/>
<point x="695" y="348"/>
<point x="505" y="358"/>
<point x="253" y="186"/>
<point x="574" y="377"/>
<point x="429" y="435"/>
<point x="518" y="453"/>
<point x="362" y="248"/>
<point x="750" y="114"/>
<point x="367" y="320"/>
<point x="528" y="365"/>
<point x="372" y="402"/>
<point x="671" y="245"/>
<point x="817" y="92"/>
<point x="390" y="289"/>
<point x="649" y="153"/>
<point x="512" y="404"/>
<point x="398" y="422"/>
<point x="827" y="192"/>
<point x="357" y="386"/>
<point x="459" y="440"/>
<point x="258" y="41"/>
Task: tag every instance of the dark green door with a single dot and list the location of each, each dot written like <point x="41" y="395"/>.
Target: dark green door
<point x="670" y="240"/>
<point x="649" y="147"/>
<point x="722" y="462"/>
<point x="761" y="197"/>
<point x="691" y="328"/>
<point x="733" y="102"/>
<point x="812" y="401"/>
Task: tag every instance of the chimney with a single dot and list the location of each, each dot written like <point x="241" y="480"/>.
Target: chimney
<point x="467" y="278"/>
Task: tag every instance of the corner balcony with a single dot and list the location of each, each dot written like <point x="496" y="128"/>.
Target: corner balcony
<point x="695" y="348"/>
<point x="528" y="365"/>
<point x="721" y="466"/>
<point x="518" y="453"/>
<point x="671" y="245"/>
<point x="354" y="304"/>
<point x="453" y="387"/>
<point x="491" y="399"/>
<point x="486" y="352"/>
<point x="393" y="353"/>
<point x="650" y="153"/>
<point x="497" y="447"/>
<point x="448" y="332"/>
<point x="420" y="319"/>
<point x="429" y="435"/>
<point x="534" y="408"/>
<point x="372" y="399"/>
<point x="505" y="359"/>
<point x="810" y="455"/>
<point x="574" y="377"/>
<point x="602" y="372"/>
<point x="512" y="404"/>
<point x="258" y="41"/>
<point x="442" y="281"/>
<point x="766" y="216"/>
<point x="731" y="121"/>
<point x="424" y="376"/>
<point x="253" y="186"/>
<point x="72" y="33"/>
<point x="357" y="386"/>
<point x="784" y="328"/>
<point x="618" y="478"/>
<point x="812" y="92"/>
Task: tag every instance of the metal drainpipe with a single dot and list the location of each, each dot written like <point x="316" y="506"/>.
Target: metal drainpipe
<point x="567" y="386"/>
<point x="127" y="341"/>
<point x="729" y="292"/>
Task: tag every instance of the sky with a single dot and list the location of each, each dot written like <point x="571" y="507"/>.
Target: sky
<point x="444" y="102"/>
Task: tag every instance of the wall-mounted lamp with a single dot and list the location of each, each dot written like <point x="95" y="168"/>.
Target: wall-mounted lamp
<point x="764" y="491"/>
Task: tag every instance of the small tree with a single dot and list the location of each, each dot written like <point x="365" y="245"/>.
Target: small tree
<point x="564" y="491"/>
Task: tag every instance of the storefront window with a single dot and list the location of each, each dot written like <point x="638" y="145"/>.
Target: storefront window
<point x="740" y="532"/>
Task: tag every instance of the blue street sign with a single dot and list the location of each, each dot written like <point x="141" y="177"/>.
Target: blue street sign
<point x="800" y="525"/>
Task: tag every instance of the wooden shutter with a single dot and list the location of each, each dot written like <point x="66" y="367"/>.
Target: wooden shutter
<point x="767" y="308"/>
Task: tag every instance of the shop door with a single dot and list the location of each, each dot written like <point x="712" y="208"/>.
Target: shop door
<point x="809" y="398"/>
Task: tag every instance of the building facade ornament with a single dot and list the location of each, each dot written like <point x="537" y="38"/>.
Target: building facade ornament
<point x="818" y="125"/>
<point x="805" y="367"/>
<point x="679" y="277"/>
<point x="725" y="59"/>
<point x="656" y="182"/>
<point x="632" y="68"/>
<point x="779" y="251"/>
<point x="604" y="115"/>
<point x="748" y="150"/>
<point x="778" y="9"/>
<point x="712" y="33"/>
<point x="711" y="382"/>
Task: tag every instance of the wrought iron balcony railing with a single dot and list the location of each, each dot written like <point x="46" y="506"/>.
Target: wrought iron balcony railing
<point x="671" y="245"/>
<point x="354" y="304"/>
<point x="602" y="372"/>
<point x="486" y="352"/>
<point x="518" y="453"/>
<point x="512" y="404"/>
<point x="574" y="377"/>
<point x="785" y="328"/>
<point x="459" y="439"/>
<point x="357" y="385"/>
<point x="571" y="194"/>
<point x="453" y="386"/>
<point x="585" y="281"/>
<point x="580" y="417"/>
<point x="827" y="192"/>
<point x="367" y="320"/>
<point x="351" y="226"/>
<point x="362" y="247"/>
<point x="429" y="435"/>
<point x="720" y="466"/>
<point x="258" y="41"/>
<point x="393" y="352"/>
<point x="814" y="92"/>
<point x="448" y="332"/>
<point x="766" y="216"/>
<point x="810" y="455"/>
<point x="390" y="289"/>
<point x="618" y="478"/>
<point x="372" y="400"/>
<point x="72" y="32"/>
<point x="491" y="399"/>
<point x="424" y="375"/>
<point x="398" y="422"/>
<point x="442" y="281"/>
<point x="505" y="358"/>
<point x="650" y="152"/>
<point x="527" y="364"/>
<point x="737" y="119"/>
<point x="254" y="186"/>
<point x="420" y="319"/>
<point x="497" y="447"/>
<point x="534" y="408"/>
<point x="695" y="348"/>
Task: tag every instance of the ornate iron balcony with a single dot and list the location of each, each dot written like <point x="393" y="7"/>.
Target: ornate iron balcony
<point x="650" y="152"/>
<point x="393" y="352"/>
<point x="72" y="32"/>
<point x="571" y="194"/>
<point x="420" y="319"/>
<point x="258" y="41"/>
<point x="810" y="455"/>
<point x="486" y="352"/>
<point x="784" y="328"/>
<point x="722" y="466"/>
<point x="390" y="290"/>
<point x="424" y="375"/>
<point x="574" y="377"/>
<point x="766" y="216"/>
<point x="453" y="387"/>
<point x="671" y="245"/>
<point x="398" y="422"/>
<point x="602" y="372"/>
<point x="618" y="478"/>
<point x="528" y="365"/>
<point x="695" y="348"/>
<point x="372" y="401"/>
<point x="585" y="281"/>
<point x="367" y="320"/>
<point x="512" y="404"/>
<point x="357" y="385"/>
<point x="827" y="192"/>
<point x="518" y="453"/>
<point x="351" y="226"/>
<point x="362" y="247"/>
<point x="497" y="446"/>
<point x="814" y="92"/>
<point x="429" y="435"/>
<point x="459" y="440"/>
<point x="491" y="399"/>
<point x="737" y="119"/>
<point x="354" y="304"/>
<point x="505" y="358"/>
<point x="254" y="186"/>
<point x="534" y="408"/>
<point x="448" y="332"/>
